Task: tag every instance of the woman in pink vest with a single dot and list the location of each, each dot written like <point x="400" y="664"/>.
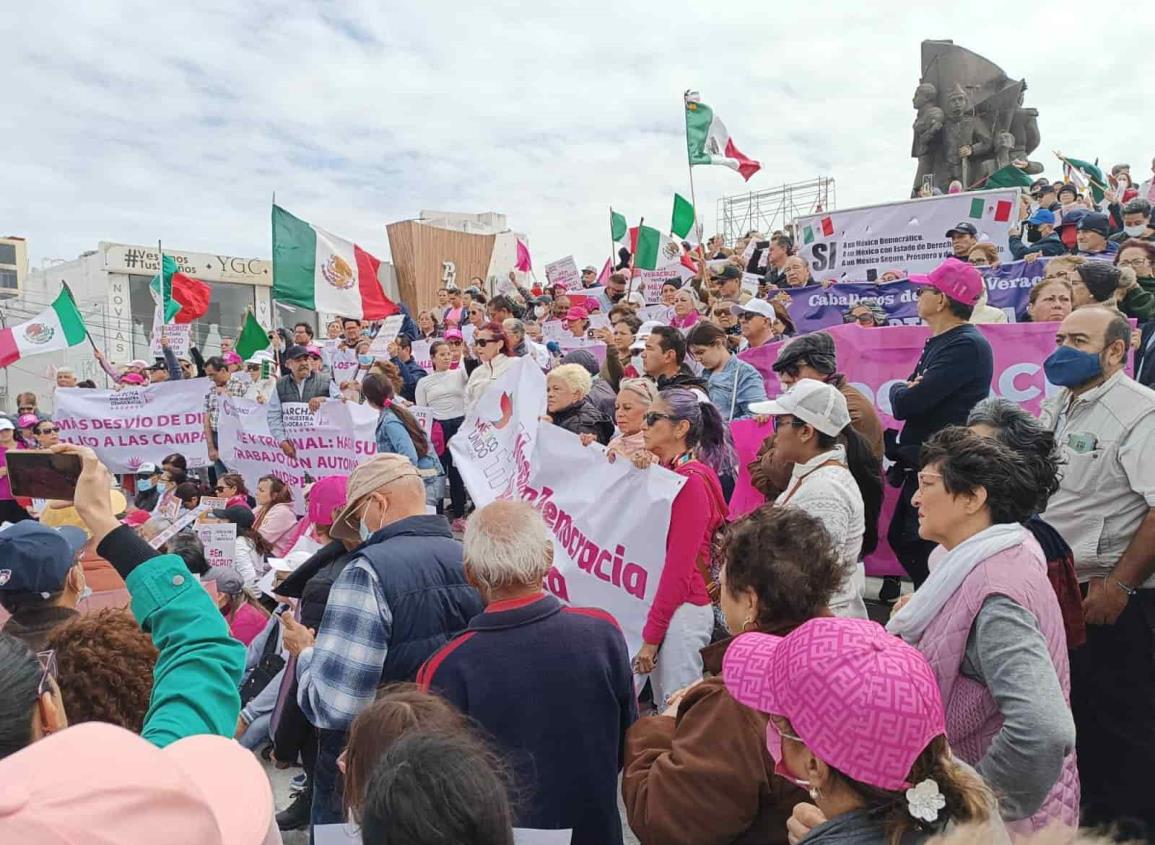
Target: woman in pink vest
<point x="989" y="624"/>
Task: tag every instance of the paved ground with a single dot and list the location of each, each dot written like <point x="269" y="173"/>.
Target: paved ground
<point x="280" y="777"/>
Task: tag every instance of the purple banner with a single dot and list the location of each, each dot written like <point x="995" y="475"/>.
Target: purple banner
<point x="1009" y="286"/>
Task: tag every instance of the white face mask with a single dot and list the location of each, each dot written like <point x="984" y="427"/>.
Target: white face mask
<point x="1135" y="231"/>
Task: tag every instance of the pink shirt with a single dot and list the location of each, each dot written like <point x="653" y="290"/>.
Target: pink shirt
<point x="5" y="485"/>
<point x="685" y="322"/>
<point x="276" y="526"/>
<point x="247" y="622"/>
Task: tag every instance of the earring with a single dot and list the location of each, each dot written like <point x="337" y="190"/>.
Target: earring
<point x="815" y="795"/>
<point x="748" y="622"/>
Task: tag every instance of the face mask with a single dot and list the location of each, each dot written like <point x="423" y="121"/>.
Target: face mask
<point x="1069" y="367"/>
<point x="1135" y="231"/>
<point x="774" y="746"/>
<point x="85" y="593"/>
<point x="1033" y="234"/>
<point x="161" y="486"/>
<point x="365" y="360"/>
<point x="144" y="485"/>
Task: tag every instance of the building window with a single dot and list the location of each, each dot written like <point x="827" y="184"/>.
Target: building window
<point x="7" y="253"/>
<point x="226" y="312"/>
<point x="8" y="279"/>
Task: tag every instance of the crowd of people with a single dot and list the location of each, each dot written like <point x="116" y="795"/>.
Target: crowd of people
<point x="398" y="645"/>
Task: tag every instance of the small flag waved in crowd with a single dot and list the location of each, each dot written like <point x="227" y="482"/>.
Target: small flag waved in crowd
<point x="710" y="143"/>
<point x="1084" y="175"/>
<point x="57" y="327"/>
<point x="683" y="222"/>
<point x="322" y="272"/>
<point x="185" y="298"/>
<point x="524" y="262"/>
<point x="252" y="337"/>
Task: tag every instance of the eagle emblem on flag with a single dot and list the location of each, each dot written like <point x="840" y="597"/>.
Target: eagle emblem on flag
<point x="337" y="272"/>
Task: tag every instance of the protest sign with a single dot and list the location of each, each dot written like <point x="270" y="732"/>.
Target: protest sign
<point x="343" y="365"/>
<point x="214" y="502"/>
<point x="600" y="321"/>
<point x="333" y="441"/>
<point x="493" y="445"/>
<point x="220" y="543"/>
<point x="386" y="335"/>
<point x="422" y="356"/>
<point x="650" y="282"/>
<point x="564" y="272"/>
<point x="424" y="417"/>
<point x="748" y="436"/>
<point x="182" y="522"/>
<point x="504" y="451"/>
<point x="553" y="330"/>
<point x="816" y="307"/>
<point x="1009" y="286"/>
<point x="874" y="360"/>
<point x="179" y="336"/>
<point x="137" y="425"/>
<point x="751" y="282"/>
<point x="865" y="242"/>
<point x="596" y="347"/>
<point x="587" y="299"/>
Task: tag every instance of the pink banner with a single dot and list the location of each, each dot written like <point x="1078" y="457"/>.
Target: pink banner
<point x="748" y="436"/>
<point x="874" y="359"/>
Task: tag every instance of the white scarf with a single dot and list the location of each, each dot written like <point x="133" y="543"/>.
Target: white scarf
<point x="927" y="603"/>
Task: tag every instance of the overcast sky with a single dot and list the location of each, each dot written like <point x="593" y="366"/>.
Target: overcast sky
<point x="133" y="121"/>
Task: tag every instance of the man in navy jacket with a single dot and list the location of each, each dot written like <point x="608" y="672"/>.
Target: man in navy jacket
<point x="952" y="375"/>
<point x="550" y="684"/>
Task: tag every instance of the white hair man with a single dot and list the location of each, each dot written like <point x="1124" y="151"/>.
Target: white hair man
<point x="550" y="683"/>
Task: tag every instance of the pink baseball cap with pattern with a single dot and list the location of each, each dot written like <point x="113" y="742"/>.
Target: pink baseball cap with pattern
<point x="861" y="699"/>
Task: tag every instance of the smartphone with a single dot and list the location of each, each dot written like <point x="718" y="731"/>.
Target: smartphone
<point x="43" y="475"/>
<point x="590" y="334"/>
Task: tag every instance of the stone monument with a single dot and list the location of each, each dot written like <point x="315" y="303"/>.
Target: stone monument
<point x="970" y="120"/>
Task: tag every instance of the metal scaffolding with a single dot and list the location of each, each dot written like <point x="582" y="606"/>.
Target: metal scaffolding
<point x="773" y="208"/>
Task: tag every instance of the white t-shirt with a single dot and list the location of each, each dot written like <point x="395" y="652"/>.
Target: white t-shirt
<point x="444" y="393"/>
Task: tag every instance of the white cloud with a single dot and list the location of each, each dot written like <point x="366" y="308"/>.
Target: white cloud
<point x="134" y="121"/>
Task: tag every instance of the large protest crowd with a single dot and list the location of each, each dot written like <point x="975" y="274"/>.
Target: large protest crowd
<point x="396" y="639"/>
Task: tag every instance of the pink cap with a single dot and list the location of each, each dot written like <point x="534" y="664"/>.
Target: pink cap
<point x="861" y="699"/>
<point x="27" y="420"/>
<point x="233" y="358"/>
<point x="315" y="351"/>
<point x="132" y="378"/>
<point x="95" y="782"/>
<point x="326" y="497"/>
<point x="453" y="334"/>
<point x="957" y="279"/>
<point x="576" y="312"/>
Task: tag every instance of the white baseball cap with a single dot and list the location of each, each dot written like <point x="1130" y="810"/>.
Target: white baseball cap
<point x="260" y="357"/>
<point x="755" y="306"/>
<point x="290" y="562"/>
<point x="6" y="424"/>
<point x="645" y="331"/>
<point x="814" y="402"/>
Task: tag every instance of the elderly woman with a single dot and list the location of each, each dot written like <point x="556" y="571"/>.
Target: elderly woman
<point x="567" y="391"/>
<point x="988" y="622"/>
<point x="1024" y="435"/>
<point x="700" y="772"/>
<point x="984" y="254"/>
<point x="576" y="321"/>
<point x="867" y="315"/>
<point x="685" y="310"/>
<point x="836" y="477"/>
<point x="1050" y="301"/>
<point x="686" y="434"/>
<point x="732" y="384"/>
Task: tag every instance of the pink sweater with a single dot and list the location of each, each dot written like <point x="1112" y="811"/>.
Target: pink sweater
<point x="276" y="526"/>
<point x="694" y="517"/>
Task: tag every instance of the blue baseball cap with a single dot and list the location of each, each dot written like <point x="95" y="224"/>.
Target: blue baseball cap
<point x="1042" y="215"/>
<point x="35" y="558"/>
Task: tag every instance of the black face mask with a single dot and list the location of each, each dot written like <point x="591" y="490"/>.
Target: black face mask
<point x="1033" y="234"/>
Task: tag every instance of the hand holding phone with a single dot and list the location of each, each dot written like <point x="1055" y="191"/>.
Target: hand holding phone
<point x="42" y="474"/>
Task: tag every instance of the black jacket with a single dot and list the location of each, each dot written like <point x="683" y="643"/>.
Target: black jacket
<point x="584" y="417"/>
<point x="1145" y="356"/>
<point x="1049" y="246"/>
<point x="683" y="378"/>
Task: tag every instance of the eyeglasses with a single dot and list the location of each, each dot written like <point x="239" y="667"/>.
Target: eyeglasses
<point x="783" y="420"/>
<point x="865" y="318"/>
<point x="980" y="262"/>
<point x="456" y="342"/>
<point x="220" y="488"/>
<point x="926" y="289"/>
<point x="48" y="669"/>
<point x="48" y="431"/>
<point x="926" y="479"/>
<point x="1130" y="262"/>
<point x="651" y="418"/>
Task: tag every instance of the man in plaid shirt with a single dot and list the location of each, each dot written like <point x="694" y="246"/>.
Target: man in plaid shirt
<point x="222" y="385"/>
<point x="402" y="596"/>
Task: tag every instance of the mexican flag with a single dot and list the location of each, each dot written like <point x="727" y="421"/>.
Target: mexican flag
<point x="618" y="227"/>
<point x="252" y="338"/>
<point x="57" y="327"/>
<point x="1084" y="174"/>
<point x="322" y="272"/>
<point x="185" y="298"/>
<point x="682" y="221"/>
<point x="1009" y="177"/>
<point x="709" y="141"/>
<point x="656" y="251"/>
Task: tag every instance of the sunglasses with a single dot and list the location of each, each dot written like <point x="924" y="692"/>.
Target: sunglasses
<point x="726" y="313"/>
<point x="48" y="431"/>
<point x="787" y="419"/>
<point x="652" y="418"/>
<point x="456" y="342"/>
<point x="485" y="341"/>
<point x="48" y="669"/>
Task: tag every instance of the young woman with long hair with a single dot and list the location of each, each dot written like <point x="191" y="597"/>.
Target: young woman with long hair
<point x="274" y="516"/>
<point x="398" y="431"/>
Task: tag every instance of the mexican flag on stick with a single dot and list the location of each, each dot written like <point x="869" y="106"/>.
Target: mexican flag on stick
<point x="185" y="298"/>
<point x="656" y="251"/>
<point x="57" y="327"/>
<point x="322" y="272"/>
<point x="252" y="338"/>
<point x="682" y="222"/>
<point x="709" y="142"/>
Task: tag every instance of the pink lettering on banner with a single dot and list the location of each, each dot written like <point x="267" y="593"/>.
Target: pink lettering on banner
<point x="875" y="359"/>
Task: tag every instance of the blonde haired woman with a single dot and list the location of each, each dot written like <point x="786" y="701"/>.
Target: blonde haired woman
<point x="568" y="404"/>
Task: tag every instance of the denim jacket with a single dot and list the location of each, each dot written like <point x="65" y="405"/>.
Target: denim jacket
<point x="735" y="374"/>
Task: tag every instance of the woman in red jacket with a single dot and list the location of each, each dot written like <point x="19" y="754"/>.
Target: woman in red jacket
<point x="684" y="433"/>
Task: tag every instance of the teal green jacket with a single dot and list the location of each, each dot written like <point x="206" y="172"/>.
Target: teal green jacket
<point x="198" y="672"/>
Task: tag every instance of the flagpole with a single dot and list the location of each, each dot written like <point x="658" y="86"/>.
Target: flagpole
<point x="633" y="267"/>
<point x="72" y="296"/>
<point x="613" y="252"/>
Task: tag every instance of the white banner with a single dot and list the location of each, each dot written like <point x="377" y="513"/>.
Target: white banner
<point x="422" y="356"/>
<point x="600" y="559"/>
<point x="386" y="335"/>
<point x="342" y="365"/>
<point x="650" y="282"/>
<point x="860" y="244"/>
<point x="220" y="542"/>
<point x="332" y="441"/>
<point x="137" y="425"/>
<point x="565" y="272"/>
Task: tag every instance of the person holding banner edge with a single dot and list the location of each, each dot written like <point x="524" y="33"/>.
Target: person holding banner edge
<point x="952" y="375"/>
<point x="301" y="385"/>
<point x="685" y="434"/>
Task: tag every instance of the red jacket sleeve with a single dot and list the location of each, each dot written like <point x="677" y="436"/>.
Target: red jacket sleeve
<point x="690" y="519"/>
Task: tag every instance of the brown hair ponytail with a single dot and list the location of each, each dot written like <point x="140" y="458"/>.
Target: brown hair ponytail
<point x="378" y="391"/>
